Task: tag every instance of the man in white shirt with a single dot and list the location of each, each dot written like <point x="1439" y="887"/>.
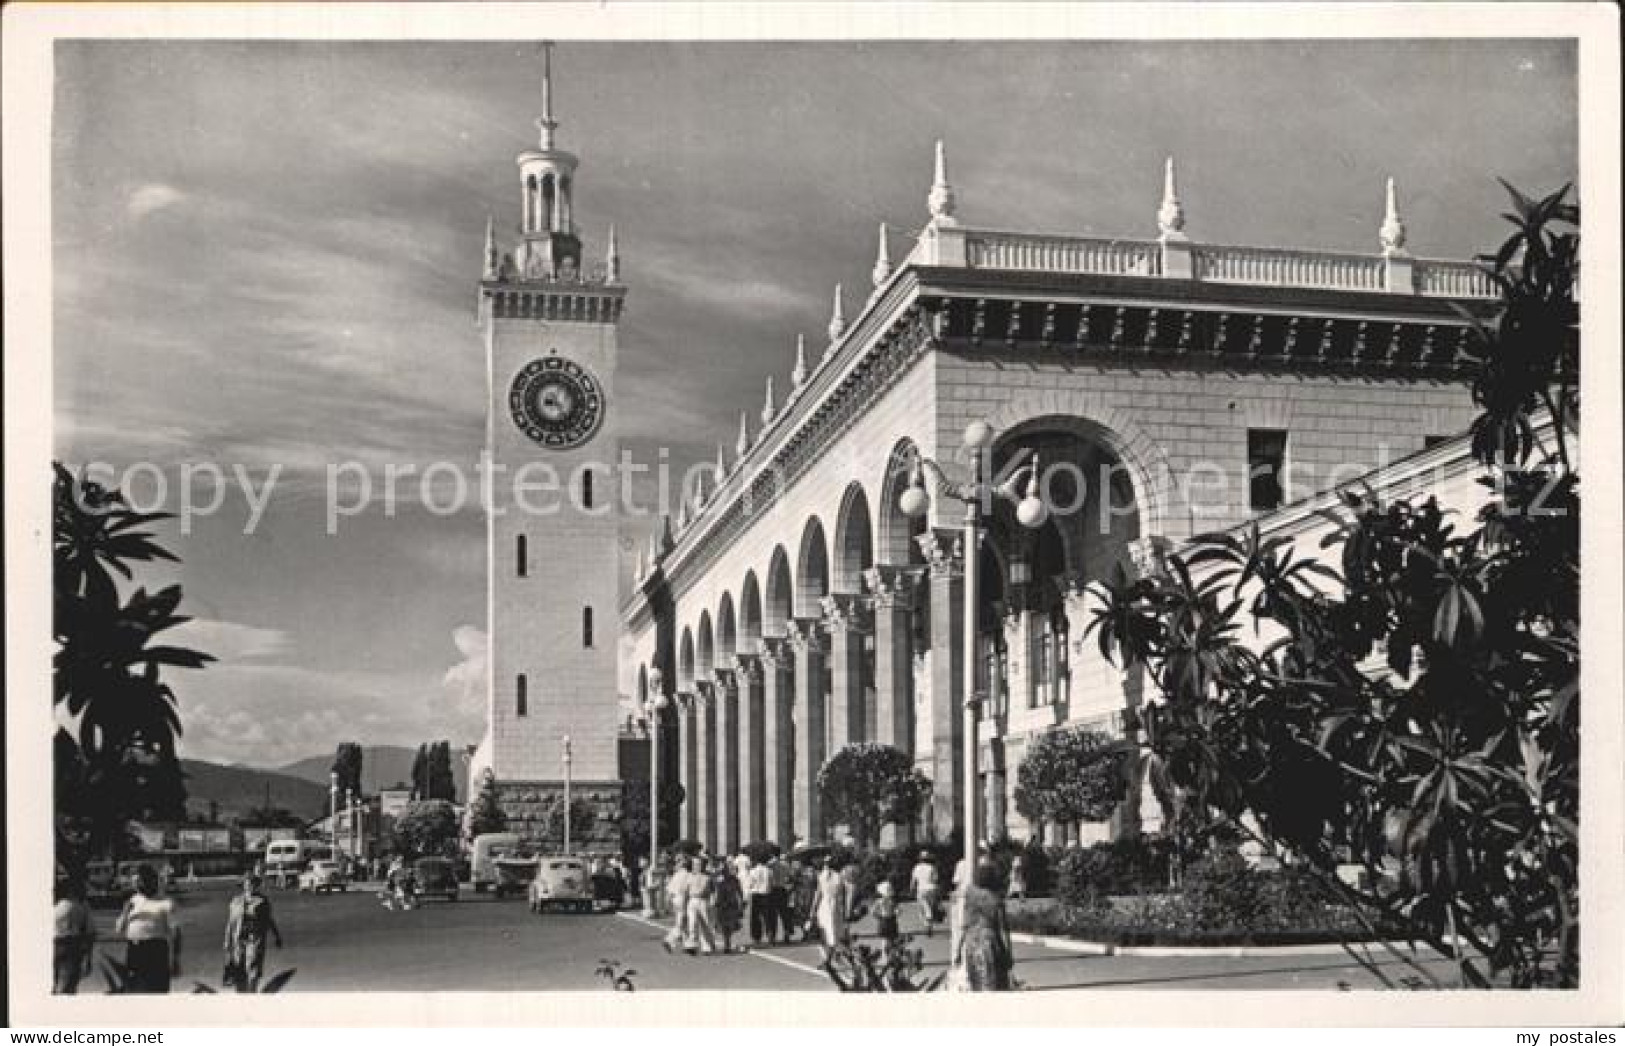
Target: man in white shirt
<point x="924" y="880"/>
<point x="758" y="890"/>
<point x="677" y="893"/>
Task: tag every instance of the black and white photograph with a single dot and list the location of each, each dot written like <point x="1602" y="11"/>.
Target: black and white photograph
<point x="717" y="503"/>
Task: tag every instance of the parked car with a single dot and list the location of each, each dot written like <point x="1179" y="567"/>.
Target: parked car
<point x="323" y="876"/>
<point x="436" y="877"/>
<point x="485" y="851"/>
<point x="562" y="882"/>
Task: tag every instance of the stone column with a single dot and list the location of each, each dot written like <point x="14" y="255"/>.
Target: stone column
<point x="946" y="562"/>
<point x="778" y="693"/>
<point x="727" y="700"/>
<point x="846" y="620"/>
<point x="752" y="738"/>
<point x="893" y="590"/>
<point x="705" y="781"/>
<point x="809" y="727"/>
<point x="688" y="766"/>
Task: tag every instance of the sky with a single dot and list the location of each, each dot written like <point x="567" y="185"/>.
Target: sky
<point x="265" y="258"/>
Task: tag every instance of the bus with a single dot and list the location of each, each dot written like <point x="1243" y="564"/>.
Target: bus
<point x="286" y="858"/>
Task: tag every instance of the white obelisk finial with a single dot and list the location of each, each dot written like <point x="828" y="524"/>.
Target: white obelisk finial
<point x="1171" y="215"/>
<point x="798" y="373"/>
<point x="941" y="198"/>
<point x="742" y="445"/>
<point x="768" y="407"/>
<point x="837" y="318"/>
<point x="1392" y="233"/>
<point x="882" y="270"/>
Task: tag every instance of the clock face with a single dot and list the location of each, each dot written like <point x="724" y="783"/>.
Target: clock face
<point x="556" y="402"/>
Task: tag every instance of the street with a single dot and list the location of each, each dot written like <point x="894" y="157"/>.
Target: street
<point x="349" y="942"/>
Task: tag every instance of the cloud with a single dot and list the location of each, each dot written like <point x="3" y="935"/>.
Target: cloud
<point x="151" y="198"/>
<point x="464" y="682"/>
<point x="229" y="641"/>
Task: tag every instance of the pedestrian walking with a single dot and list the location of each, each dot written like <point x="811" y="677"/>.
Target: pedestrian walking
<point x="249" y="925"/>
<point x="728" y="902"/>
<point x="830" y="907"/>
<point x="885" y="912"/>
<point x="759" y="893"/>
<point x="698" y="894"/>
<point x="803" y="894"/>
<point x="926" y="891"/>
<point x="778" y="920"/>
<point x="677" y="897"/>
<point x="74" y="939"/>
<point x="982" y="945"/>
<point x="1018" y="880"/>
<point x="152" y="936"/>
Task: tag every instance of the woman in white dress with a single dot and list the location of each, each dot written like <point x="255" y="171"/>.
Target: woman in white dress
<point x="830" y="906"/>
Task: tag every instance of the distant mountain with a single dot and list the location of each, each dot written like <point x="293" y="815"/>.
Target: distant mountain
<point x="238" y="789"/>
<point x="381" y="767"/>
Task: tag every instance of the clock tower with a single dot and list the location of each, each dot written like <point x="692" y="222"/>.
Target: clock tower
<point x="549" y="326"/>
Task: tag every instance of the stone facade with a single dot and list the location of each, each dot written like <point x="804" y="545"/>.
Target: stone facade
<point x="1150" y="379"/>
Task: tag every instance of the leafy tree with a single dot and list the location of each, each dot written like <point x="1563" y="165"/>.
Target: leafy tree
<point x="347" y="761"/>
<point x="1453" y="776"/>
<point x="635" y="814"/>
<point x="439" y="781"/>
<point x="272" y="817"/>
<point x="485" y="815"/>
<point x="1072" y="775"/>
<point x="115" y="749"/>
<point x="867" y="785"/>
<point x="420" y="773"/>
<point x="426" y="828"/>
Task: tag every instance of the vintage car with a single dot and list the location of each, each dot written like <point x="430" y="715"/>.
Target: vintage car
<point x="323" y="876"/>
<point x="435" y="877"/>
<point x="514" y="875"/>
<point x="561" y="882"/>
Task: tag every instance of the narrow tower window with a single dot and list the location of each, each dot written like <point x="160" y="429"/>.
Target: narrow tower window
<point x="1266" y="461"/>
<point x="586" y="488"/>
<point x="520" y="704"/>
<point x="586" y="627"/>
<point x="521" y="557"/>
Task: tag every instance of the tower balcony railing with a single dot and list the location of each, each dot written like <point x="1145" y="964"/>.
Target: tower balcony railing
<point x="1211" y="263"/>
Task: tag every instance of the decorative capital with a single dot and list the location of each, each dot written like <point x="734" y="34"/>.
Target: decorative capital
<point x="1392" y="233"/>
<point x="1149" y="555"/>
<point x="944" y="554"/>
<point x="748" y="669"/>
<point x="686" y="700"/>
<point x="892" y="587"/>
<point x="844" y="613"/>
<point x="941" y="198"/>
<point x="775" y="654"/>
<point x="883" y="268"/>
<point x="724" y="680"/>
<point x="1171" y="215"/>
<point x="804" y="636"/>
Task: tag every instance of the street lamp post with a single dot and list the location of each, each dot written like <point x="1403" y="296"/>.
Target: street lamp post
<point x="566" y="795"/>
<point x="349" y="809"/>
<point x="976" y="496"/>
<point x="656" y="706"/>
<point x="333" y="808"/>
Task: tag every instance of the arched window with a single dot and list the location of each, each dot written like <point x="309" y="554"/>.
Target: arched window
<point x="521" y="706"/>
<point x="521" y="556"/>
<point x="586" y="627"/>
<point x="586" y="488"/>
<point x="545" y="219"/>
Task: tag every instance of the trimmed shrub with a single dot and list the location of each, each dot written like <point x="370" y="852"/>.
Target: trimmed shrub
<point x="1087" y="876"/>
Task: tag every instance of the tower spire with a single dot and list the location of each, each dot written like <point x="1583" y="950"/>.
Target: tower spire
<point x="882" y="270"/>
<point x="837" y="318"/>
<point x="1171" y="215"/>
<point x="492" y="260"/>
<point x="547" y="124"/>
<point x="798" y="373"/>
<point x="612" y="258"/>
<point x="1392" y="233"/>
<point x="941" y="198"/>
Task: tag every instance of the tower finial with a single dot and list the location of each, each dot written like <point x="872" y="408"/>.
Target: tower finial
<point x="882" y="270"/>
<point x="722" y="464"/>
<point x="1171" y="215"/>
<point x="1392" y="233"/>
<point x="798" y="373"/>
<point x="547" y="124"/>
<point x="742" y="445"/>
<point x="941" y="198"/>
<point x="837" y="318"/>
<point x="493" y="261"/>
<point x="768" y="407"/>
<point x="612" y="259"/>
